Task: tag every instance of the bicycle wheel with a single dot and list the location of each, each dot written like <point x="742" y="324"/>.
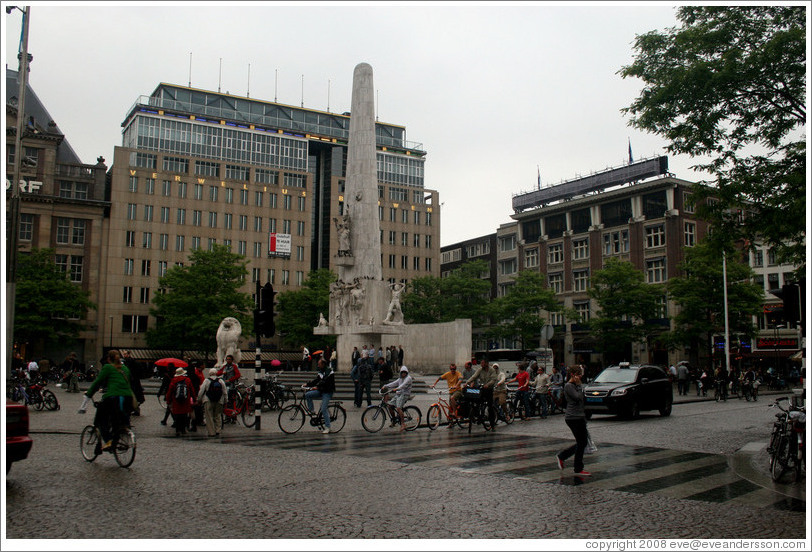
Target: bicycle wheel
<point x="162" y="400"/>
<point x="124" y="447"/>
<point x="779" y="459"/>
<point x="50" y="400"/>
<point x="508" y="413"/>
<point x="249" y="412"/>
<point x="373" y="419"/>
<point x="38" y="401"/>
<point x="434" y="416"/>
<point x="291" y="418"/>
<point x="90" y="443"/>
<point x="288" y="396"/>
<point x="338" y="417"/>
<point x="412" y="417"/>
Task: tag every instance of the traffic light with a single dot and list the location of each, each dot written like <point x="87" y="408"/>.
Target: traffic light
<point x="790" y="297"/>
<point x="263" y="315"/>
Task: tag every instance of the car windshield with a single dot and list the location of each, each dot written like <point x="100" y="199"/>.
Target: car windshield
<point x="616" y="375"/>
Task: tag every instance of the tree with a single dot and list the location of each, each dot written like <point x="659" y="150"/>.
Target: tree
<point x="48" y="307"/>
<point x="299" y="310"/>
<point x="626" y="306"/>
<point x="197" y="297"/>
<point x="730" y="84"/>
<point x="700" y="297"/>
<point x="520" y="309"/>
<point x="461" y="294"/>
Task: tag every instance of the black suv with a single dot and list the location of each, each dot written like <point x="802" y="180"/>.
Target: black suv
<point x="627" y="389"/>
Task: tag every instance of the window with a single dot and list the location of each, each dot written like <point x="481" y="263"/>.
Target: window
<point x="210" y="243"/>
<point x="146" y="243"/>
<point x="127" y="296"/>
<point x="198" y="191"/>
<point x="772" y="281"/>
<point x="229" y="195"/>
<point x="128" y="267"/>
<point x="145" y="295"/>
<point x="207" y="168"/>
<point x="302" y="203"/>
<point x="580" y="280"/>
<point x="258" y="198"/>
<point x="428" y="264"/>
<point x="531" y="258"/>
<point x="243" y="222"/>
<point x="242" y="247"/>
<point x="392" y="237"/>
<point x="285" y="277"/>
<point x="771" y="257"/>
<point x="286" y="226"/>
<point x="507" y="267"/>
<point x="75" y="190"/>
<point x="391" y="261"/>
<point x="131" y="210"/>
<point x="181" y="216"/>
<point x="271" y="225"/>
<point x="404" y="239"/>
<point x="507" y="243"/>
<point x="227" y="221"/>
<point x="235" y="172"/>
<point x="393" y="214"/>
<point x="133" y="324"/>
<point x="417" y="217"/>
<point x="255" y="274"/>
<point x="404" y="216"/>
<point x="163" y="240"/>
<point x="26" y="227"/>
<point x="148" y="213"/>
<point x="195" y="243"/>
<point x="287" y="202"/>
<point x="655" y="271"/>
<point x="180" y="243"/>
<point x="580" y="249"/>
<point x="144" y="160"/>
<point x="176" y="164"/>
<point x="71" y="265"/>
<point x="163" y="266"/>
<point x="477" y="249"/>
<point x="129" y="239"/>
<point x="166" y="188"/>
<point x="145" y="266"/>
<point x="758" y="257"/>
<point x="654" y="205"/>
<point x="133" y="184"/>
<point x="213" y="193"/>
<point x="581" y="220"/>
<point x="415" y="263"/>
<point x="243" y="197"/>
<point x="556" y="282"/>
<point x="300" y="253"/>
<point x="555" y="225"/>
<point x="197" y="217"/>
<point x="404" y="262"/>
<point x="555" y="254"/>
<point x="690" y="234"/>
<point x="662" y="307"/>
<point x="150" y="186"/>
<point x="212" y="219"/>
<point x="616" y="212"/>
<point x="272" y="200"/>
<point x="257" y="249"/>
<point x="272" y="275"/>
<point x="655" y="236"/>
<point x="257" y="224"/>
<point x="264" y="176"/>
<point x="165" y="215"/>
<point x="416" y="240"/>
<point x="687" y="202"/>
<point x="182" y="190"/>
<point x="616" y="242"/>
<point x="583" y="311"/>
<point x="758" y="279"/>
<point x="299" y="277"/>
<point x="300" y="228"/>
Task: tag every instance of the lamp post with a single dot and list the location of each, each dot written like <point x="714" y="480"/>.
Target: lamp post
<point x="776" y="327"/>
<point x="111" y="331"/>
<point x="14" y="203"/>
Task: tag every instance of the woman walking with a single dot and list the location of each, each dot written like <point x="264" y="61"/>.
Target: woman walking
<point x="576" y="420"/>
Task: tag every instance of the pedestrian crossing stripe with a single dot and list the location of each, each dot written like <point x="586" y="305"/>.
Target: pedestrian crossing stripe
<point x="677" y="474"/>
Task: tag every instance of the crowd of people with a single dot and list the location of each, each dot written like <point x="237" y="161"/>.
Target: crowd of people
<point x="369" y="362"/>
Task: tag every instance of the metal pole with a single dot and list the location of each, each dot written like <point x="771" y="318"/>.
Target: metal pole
<point x="727" y="324"/>
<point x="14" y="204"/>
<point x="258" y="369"/>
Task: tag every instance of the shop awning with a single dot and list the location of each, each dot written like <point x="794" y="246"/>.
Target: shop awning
<point x="799" y="356"/>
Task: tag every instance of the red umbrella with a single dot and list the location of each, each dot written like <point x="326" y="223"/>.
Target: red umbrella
<point x="275" y="363"/>
<point x="318" y="352"/>
<point x="176" y="361"/>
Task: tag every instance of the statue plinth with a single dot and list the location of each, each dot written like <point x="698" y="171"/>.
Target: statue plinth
<point x="365" y="329"/>
<point x="344" y="260"/>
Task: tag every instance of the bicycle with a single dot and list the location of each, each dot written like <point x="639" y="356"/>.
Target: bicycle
<point x="275" y="394"/>
<point x="292" y="417"/>
<point x="719" y="392"/>
<point x="123" y="444"/>
<point x="435" y="413"/>
<point x="240" y="403"/>
<point x="473" y="409"/>
<point x="33" y="394"/>
<point x="374" y="417"/>
<point x="787" y="441"/>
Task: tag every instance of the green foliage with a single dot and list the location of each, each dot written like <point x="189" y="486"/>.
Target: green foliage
<point x="626" y="305"/>
<point x="462" y="294"/>
<point x="197" y="297"/>
<point x="298" y="310"/>
<point x="47" y="306"/>
<point x="730" y="85"/>
<point x="519" y="310"/>
<point x="699" y="295"/>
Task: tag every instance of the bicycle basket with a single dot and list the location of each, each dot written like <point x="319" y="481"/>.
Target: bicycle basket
<point x="471" y="394"/>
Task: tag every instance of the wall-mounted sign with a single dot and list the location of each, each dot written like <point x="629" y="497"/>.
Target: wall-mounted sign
<point x="278" y="245"/>
<point x="780" y="343"/>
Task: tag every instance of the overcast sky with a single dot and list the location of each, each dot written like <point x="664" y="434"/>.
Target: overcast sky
<point x="495" y="93"/>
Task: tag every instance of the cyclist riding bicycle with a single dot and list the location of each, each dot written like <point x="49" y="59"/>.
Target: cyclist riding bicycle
<point x="117" y="401"/>
<point x="323" y="386"/>
<point x="486" y="378"/>
<point x="523" y="393"/>
<point x="403" y="392"/>
<point x="452" y="378"/>
<point x="231" y="374"/>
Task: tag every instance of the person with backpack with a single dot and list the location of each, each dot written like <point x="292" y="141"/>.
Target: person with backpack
<point x="213" y="398"/>
<point x="180" y="400"/>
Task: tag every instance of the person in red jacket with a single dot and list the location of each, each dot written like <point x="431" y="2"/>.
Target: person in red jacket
<point x="180" y="401"/>
<point x="231" y="373"/>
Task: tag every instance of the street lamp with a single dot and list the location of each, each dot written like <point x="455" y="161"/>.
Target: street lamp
<point x="776" y="327"/>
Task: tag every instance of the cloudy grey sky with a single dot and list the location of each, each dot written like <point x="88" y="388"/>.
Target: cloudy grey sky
<point x="495" y="93"/>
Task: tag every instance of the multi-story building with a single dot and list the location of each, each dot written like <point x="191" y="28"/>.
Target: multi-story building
<point x="198" y="168"/>
<point x="638" y="213"/>
<point x="62" y="207"/>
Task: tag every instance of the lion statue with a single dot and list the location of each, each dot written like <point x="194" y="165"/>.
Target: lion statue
<point x="228" y="339"/>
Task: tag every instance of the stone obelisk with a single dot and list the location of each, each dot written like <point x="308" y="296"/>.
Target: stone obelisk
<point x="361" y="189"/>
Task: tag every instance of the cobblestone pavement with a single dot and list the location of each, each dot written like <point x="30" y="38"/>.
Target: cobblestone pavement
<point x="442" y="484"/>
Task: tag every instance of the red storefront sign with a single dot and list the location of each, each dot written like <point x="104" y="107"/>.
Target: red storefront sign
<point x="780" y="343"/>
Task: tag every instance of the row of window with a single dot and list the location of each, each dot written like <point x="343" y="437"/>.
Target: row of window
<point x="404" y="239"/>
<point x="757" y="258"/>
<point x="198" y="192"/>
<point x="404" y="262"/>
<point x="213" y="218"/>
<point x="259" y="249"/>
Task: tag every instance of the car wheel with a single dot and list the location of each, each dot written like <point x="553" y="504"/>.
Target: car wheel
<point x="666" y="409"/>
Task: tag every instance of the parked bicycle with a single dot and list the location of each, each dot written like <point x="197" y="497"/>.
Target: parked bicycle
<point x="439" y="410"/>
<point x="32" y="394"/>
<point x="241" y="404"/>
<point x="374" y="417"/>
<point x="787" y="441"/>
<point x="292" y="417"/>
<point x="275" y="394"/>
<point x="123" y="447"/>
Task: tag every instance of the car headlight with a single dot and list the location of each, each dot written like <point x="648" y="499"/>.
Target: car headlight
<point x="620" y="391"/>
